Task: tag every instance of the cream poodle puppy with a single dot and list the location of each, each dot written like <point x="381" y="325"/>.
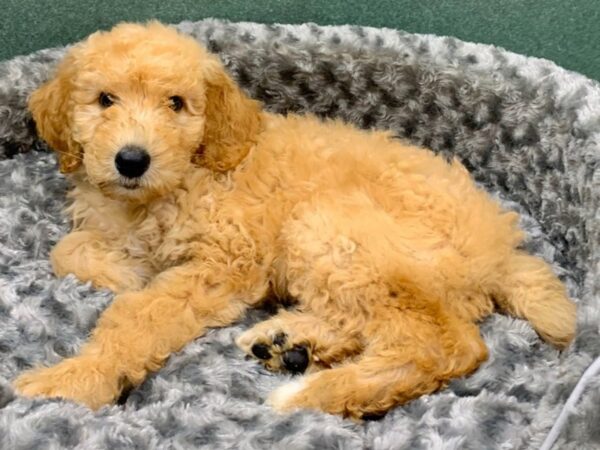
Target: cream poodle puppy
<point x="193" y="204"/>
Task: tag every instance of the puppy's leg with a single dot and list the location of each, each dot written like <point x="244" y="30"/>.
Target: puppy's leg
<point x="140" y="329"/>
<point x="416" y="354"/>
<point x="377" y="275"/>
<point x="298" y="342"/>
<point x="89" y="257"/>
<point x="531" y="291"/>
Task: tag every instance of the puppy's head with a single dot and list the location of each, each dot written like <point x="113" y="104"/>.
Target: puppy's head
<point x="134" y="109"/>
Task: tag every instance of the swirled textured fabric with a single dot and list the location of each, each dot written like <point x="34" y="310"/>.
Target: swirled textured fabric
<point x="528" y="131"/>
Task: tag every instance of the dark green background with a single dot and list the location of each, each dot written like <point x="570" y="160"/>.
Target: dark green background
<point x="564" y="31"/>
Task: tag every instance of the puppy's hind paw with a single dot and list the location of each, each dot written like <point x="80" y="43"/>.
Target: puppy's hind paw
<point x="275" y="349"/>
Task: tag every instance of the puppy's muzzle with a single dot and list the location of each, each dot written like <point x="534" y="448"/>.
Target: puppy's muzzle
<point x="132" y="161"/>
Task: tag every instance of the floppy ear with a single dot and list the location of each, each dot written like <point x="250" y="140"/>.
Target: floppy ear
<point x="51" y="107"/>
<point x="232" y="121"/>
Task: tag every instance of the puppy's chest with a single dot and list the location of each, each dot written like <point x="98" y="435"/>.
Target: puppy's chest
<point x="161" y="234"/>
<point x="183" y="226"/>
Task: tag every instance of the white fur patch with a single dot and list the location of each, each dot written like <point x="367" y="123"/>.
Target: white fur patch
<point x="281" y="398"/>
<point x="244" y="340"/>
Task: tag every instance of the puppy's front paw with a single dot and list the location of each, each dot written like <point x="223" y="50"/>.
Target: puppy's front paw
<point x="79" y="379"/>
<point x="89" y="258"/>
<point x="276" y="348"/>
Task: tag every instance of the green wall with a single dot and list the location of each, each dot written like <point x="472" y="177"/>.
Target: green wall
<point x="564" y="31"/>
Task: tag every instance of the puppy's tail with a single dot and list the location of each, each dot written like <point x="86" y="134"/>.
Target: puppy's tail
<point x="530" y="290"/>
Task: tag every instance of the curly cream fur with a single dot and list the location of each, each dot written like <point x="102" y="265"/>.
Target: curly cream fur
<point x="392" y="254"/>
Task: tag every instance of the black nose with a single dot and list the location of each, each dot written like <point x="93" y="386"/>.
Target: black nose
<point x="132" y="161"/>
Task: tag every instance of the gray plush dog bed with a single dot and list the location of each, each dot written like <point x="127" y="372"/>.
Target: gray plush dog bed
<point x="528" y="131"/>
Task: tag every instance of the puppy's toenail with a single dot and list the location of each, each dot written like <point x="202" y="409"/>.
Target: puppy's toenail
<point x="261" y="351"/>
<point x="280" y="339"/>
<point x="296" y="359"/>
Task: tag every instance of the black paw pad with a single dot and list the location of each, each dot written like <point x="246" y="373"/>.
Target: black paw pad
<point x="296" y="359"/>
<point x="280" y="339"/>
<point x="261" y="351"/>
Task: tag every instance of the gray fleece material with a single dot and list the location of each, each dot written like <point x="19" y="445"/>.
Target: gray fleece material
<point x="528" y="131"/>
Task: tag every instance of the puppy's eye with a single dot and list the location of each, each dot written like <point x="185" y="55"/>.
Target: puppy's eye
<point x="106" y="100"/>
<point x="176" y="103"/>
